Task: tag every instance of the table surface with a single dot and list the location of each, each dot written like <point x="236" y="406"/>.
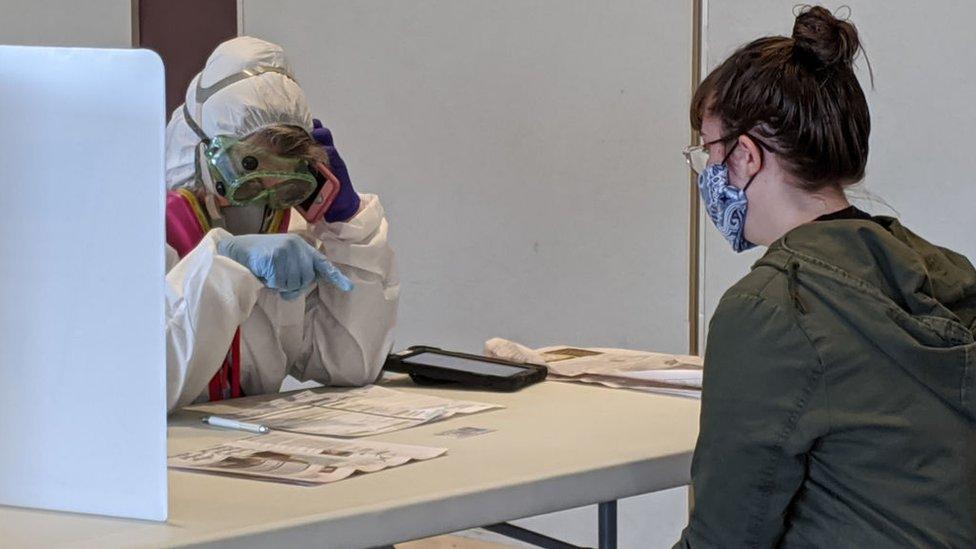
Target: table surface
<point x="555" y="446"/>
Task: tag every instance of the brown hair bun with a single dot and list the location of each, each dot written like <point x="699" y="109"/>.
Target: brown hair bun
<point x="796" y="97"/>
<point x="820" y="40"/>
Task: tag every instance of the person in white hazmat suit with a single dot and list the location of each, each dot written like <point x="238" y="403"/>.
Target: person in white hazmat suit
<point x="248" y="302"/>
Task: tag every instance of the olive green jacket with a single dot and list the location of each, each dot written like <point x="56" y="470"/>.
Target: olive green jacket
<point x="839" y="396"/>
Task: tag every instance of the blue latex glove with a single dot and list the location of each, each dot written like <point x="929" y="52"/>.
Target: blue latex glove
<point x="346" y="202"/>
<point x="284" y="262"/>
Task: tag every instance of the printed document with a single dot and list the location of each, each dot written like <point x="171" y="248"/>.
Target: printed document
<point x="343" y="412"/>
<point x="300" y="459"/>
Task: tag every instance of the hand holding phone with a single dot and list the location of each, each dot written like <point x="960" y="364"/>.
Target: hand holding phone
<point x="315" y="206"/>
<point x="346" y="203"/>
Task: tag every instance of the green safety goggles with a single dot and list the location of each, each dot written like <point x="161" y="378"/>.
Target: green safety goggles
<point x="245" y="173"/>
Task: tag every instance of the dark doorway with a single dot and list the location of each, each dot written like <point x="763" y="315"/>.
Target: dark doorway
<point x="183" y="33"/>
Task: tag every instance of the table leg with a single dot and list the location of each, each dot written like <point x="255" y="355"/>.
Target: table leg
<point x="528" y="536"/>
<point x="607" y="514"/>
<point x="608" y="524"/>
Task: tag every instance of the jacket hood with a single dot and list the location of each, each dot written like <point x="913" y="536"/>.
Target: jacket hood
<point x="915" y="301"/>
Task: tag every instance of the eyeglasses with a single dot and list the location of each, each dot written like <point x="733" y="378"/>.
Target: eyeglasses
<point x="697" y="155"/>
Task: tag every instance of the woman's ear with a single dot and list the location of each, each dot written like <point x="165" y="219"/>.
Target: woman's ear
<point x="750" y="156"/>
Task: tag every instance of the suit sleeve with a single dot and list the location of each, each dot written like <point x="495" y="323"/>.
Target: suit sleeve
<point x="208" y="296"/>
<point x="347" y="336"/>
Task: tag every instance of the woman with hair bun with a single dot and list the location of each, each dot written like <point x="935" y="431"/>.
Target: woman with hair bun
<point x="839" y="394"/>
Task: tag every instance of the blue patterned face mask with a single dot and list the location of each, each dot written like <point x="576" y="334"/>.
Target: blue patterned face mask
<point x="725" y="204"/>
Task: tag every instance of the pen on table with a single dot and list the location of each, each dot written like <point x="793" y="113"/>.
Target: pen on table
<point x="218" y="421"/>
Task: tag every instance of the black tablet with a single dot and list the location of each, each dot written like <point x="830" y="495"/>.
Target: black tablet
<point x="430" y="365"/>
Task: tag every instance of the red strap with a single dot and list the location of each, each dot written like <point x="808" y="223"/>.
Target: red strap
<point x="216" y="384"/>
<point x="226" y="383"/>
<point x="235" y="365"/>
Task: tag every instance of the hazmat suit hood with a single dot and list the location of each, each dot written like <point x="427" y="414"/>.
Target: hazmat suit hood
<point x="914" y="301"/>
<point x="239" y="109"/>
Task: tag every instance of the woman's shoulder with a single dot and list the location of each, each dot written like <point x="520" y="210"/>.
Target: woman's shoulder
<point x="881" y="254"/>
<point x="763" y="283"/>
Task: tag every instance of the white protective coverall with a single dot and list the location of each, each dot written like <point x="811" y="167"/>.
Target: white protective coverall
<point x="328" y="336"/>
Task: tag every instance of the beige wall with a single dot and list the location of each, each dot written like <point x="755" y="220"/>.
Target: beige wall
<point x="527" y="152"/>
<point x="87" y="23"/>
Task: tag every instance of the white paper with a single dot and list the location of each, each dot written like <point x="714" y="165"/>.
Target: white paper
<point x="616" y="383"/>
<point x="661" y="373"/>
<point x="300" y="459"/>
<point x="344" y="412"/>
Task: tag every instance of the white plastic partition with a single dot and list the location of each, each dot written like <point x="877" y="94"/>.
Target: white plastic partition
<point x="528" y="155"/>
<point x="82" y="372"/>
<point x="922" y="116"/>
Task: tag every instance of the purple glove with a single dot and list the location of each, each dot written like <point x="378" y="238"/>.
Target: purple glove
<point x="346" y="202"/>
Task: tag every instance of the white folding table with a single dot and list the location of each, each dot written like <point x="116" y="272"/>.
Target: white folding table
<point x="555" y="446"/>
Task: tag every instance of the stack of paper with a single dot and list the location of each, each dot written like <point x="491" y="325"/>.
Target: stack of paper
<point x="299" y="459"/>
<point x="343" y="412"/>
<point x="621" y="368"/>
